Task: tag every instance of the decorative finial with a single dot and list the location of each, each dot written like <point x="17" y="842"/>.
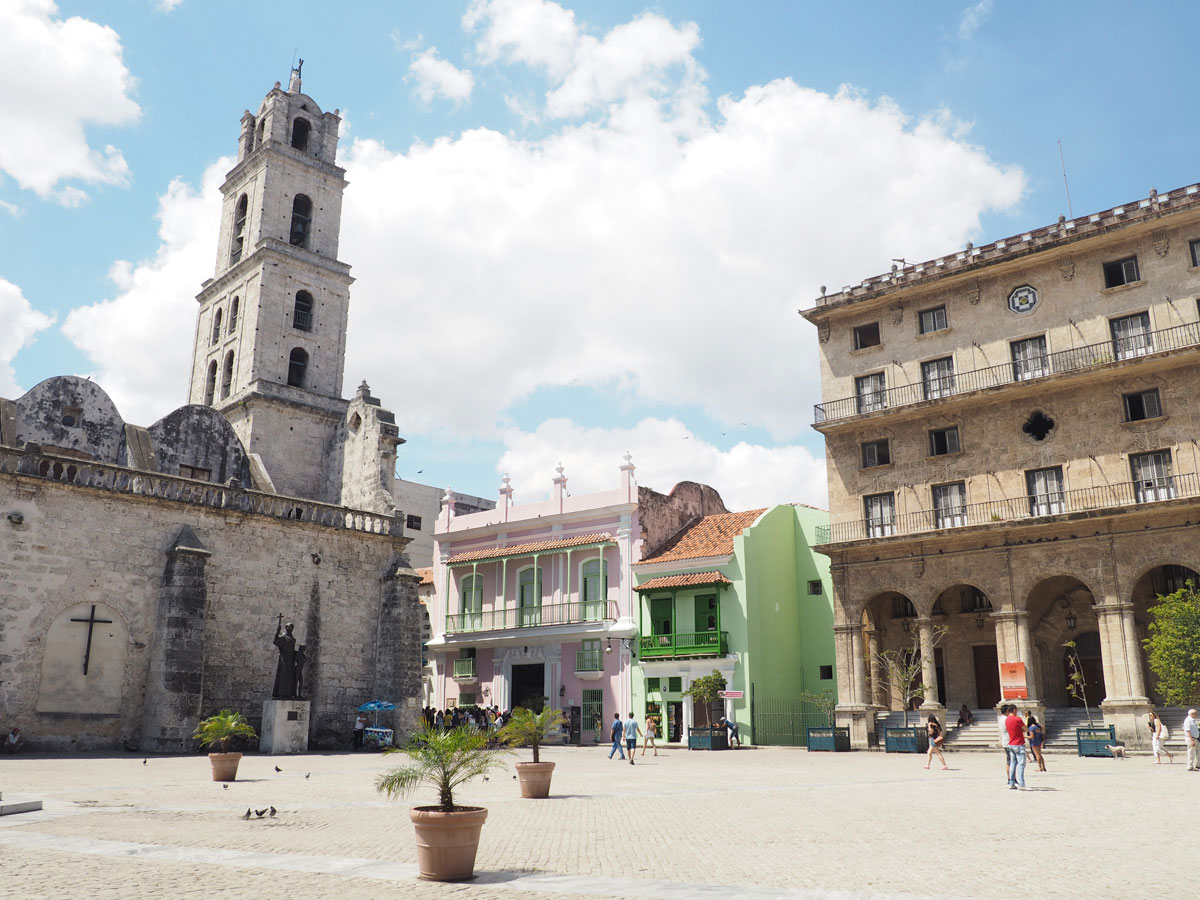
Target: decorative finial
<point x="559" y="469"/>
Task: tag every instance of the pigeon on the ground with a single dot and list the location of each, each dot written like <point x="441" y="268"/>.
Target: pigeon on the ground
<point x="145" y="762"/>
<point x="514" y="778"/>
<point x="485" y="778"/>
<point x="277" y="769"/>
<point x="273" y="811"/>
<point x="247" y="815"/>
<point x="308" y="774"/>
<point x="260" y="812"/>
<point x="225" y="786"/>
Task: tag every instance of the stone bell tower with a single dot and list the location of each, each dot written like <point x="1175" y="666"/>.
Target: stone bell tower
<point x="271" y="331"/>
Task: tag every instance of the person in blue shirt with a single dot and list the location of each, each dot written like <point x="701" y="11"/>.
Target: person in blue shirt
<point x="618" y="731"/>
<point x="733" y="730"/>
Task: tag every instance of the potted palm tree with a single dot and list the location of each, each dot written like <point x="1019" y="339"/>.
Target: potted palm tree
<point x="220" y="730"/>
<point x="447" y="834"/>
<point x="528" y="729"/>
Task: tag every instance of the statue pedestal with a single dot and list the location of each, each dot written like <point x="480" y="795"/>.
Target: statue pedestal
<point x="284" y="726"/>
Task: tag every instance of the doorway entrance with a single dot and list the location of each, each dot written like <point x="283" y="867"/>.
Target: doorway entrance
<point x="1087" y="645"/>
<point x="529" y="686"/>
<point x="674" y="721"/>
<point x="987" y="675"/>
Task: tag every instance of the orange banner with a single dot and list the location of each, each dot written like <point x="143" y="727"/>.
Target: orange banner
<point x="1012" y="681"/>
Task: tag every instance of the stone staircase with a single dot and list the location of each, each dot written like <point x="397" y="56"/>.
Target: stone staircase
<point x="982" y="735"/>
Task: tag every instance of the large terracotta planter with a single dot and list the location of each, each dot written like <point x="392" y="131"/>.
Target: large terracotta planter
<point x="447" y="841"/>
<point x="224" y="765"/>
<point x="534" y="778"/>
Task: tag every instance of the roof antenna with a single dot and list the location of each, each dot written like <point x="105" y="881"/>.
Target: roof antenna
<point x="1066" y="186"/>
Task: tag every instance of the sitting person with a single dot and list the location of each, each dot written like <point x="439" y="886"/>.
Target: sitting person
<point x="14" y="742"/>
<point x="965" y="716"/>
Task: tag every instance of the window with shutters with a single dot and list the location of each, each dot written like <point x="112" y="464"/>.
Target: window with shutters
<point x="1142" y="405"/>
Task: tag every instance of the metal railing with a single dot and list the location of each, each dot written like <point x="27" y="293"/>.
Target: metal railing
<point x="576" y="613"/>
<point x="1028" y="369"/>
<point x="1127" y="493"/>
<point x="589" y="661"/>
<point x="120" y="480"/>
<point x="684" y="643"/>
<point x="464" y="668"/>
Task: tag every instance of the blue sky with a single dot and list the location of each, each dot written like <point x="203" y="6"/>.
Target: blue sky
<point x="577" y="229"/>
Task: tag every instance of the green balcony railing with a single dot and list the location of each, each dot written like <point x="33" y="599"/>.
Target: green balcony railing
<point x="464" y="668"/>
<point x="589" y="661"/>
<point x="576" y="613"/>
<point x="684" y="643"/>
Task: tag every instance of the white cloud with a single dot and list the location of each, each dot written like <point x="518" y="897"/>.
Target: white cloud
<point x="665" y="452"/>
<point x="140" y="341"/>
<point x="435" y="77"/>
<point x="973" y="17"/>
<point x="21" y="323"/>
<point x="60" y="75"/>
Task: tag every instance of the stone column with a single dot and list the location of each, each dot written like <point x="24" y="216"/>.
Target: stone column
<point x="852" y="710"/>
<point x="1125" y="704"/>
<point x="1026" y="654"/>
<point x="875" y="697"/>
<point x="1133" y="653"/>
<point x="928" y="663"/>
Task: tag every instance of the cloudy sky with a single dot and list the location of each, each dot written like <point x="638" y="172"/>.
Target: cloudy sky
<point x="576" y="229"/>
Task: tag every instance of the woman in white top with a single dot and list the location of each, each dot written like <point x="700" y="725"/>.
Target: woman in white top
<point x="1158" y="735"/>
<point x="651" y="732"/>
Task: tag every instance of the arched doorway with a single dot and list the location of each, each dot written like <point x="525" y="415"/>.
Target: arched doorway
<point x="894" y="620"/>
<point x="1091" y="664"/>
<point x="1061" y="610"/>
<point x="1154" y="583"/>
<point x="968" y="667"/>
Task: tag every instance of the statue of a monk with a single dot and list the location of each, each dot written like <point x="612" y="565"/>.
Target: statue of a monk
<point x="285" y="669"/>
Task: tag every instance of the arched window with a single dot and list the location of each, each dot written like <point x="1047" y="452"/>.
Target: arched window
<point x="302" y="313"/>
<point x="216" y="332"/>
<point x="239" y="230"/>
<point x="297" y="367"/>
<point x="593" y="589"/>
<point x="233" y="313"/>
<point x="300" y="130"/>
<point x="227" y="375"/>
<point x="210" y="384"/>
<point x="472" y="602"/>
<point x="262" y="130"/>
<point x="529" y="596"/>
<point x="250" y="137"/>
<point x="301" y="221"/>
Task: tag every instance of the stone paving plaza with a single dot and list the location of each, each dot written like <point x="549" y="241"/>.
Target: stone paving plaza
<point x="756" y="823"/>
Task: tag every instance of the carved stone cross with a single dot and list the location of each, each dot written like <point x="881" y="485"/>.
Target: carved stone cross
<point x="92" y="622"/>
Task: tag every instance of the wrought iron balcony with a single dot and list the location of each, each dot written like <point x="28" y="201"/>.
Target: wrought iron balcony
<point x="589" y="661"/>
<point x="1033" y="369"/>
<point x="577" y="613"/>
<point x="686" y="643"/>
<point x="1128" y="493"/>
<point x="464" y="668"/>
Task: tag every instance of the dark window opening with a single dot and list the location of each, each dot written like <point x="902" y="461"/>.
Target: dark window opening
<point x="1122" y="271"/>
<point x="902" y="608"/>
<point x="1038" y="426"/>
<point x="297" y="368"/>
<point x="866" y="336"/>
<point x="1142" y="405"/>
<point x="413" y="522"/>
<point x="300" y="131"/>
<point x="974" y="600"/>
<point x="239" y="230"/>
<point x="262" y="130"/>
<point x="302" y="312"/>
<point x="1194" y="247"/>
<point x="943" y="441"/>
<point x="216" y="331"/>
<point x="933" y="320"/>
<point x="210" y="384"/>
<point x="652" y="685"/>
<point x="826" y="673"/>
<point x="250" y="137"/>
<point x="876" y="453"/>
<point x="233" y="313"/>
<point x="1169" y="579"/>
<point x="301" y="221"/>
<point x="227" y="375"/>
<point x="195" y="472"/>
<point x="72" y="416"/>
<point x="815" y="588"/>
<point x="675" y="684"/>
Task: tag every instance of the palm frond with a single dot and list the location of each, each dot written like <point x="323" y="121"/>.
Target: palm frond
<point x="442" y="759"/>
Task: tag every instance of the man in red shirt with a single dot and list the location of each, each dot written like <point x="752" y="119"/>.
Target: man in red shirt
<point x="1015" y="726"/>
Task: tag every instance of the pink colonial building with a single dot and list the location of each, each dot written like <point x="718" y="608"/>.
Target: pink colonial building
<point x="536" y="601"/>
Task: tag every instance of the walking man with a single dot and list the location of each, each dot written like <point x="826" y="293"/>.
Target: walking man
<point x="1191" y="733"/>
<point x="1015" y="726"/>
<point x="632" y="730"/>
<point x="1000" y="721"/>
<point x="617" y="731"/>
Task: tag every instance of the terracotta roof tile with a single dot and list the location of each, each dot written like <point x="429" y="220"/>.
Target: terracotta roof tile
<point x="426" y="576"/>
<point x="711" y="536"/>
<point x="689" y="580"/>
<point x="532" y="547"/>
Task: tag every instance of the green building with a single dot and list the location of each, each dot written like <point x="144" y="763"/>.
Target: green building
<point x="744" y="594"/>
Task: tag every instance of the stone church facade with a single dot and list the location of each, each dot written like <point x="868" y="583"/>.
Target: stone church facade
<point x="143" y="569"/>
<point x="1012" y="462"/>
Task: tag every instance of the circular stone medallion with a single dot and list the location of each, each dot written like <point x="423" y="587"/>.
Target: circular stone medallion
<point x="1023" y="299"/>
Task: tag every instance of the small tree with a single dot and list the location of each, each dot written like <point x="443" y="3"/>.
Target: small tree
<point x="822" y="700"/>
<point x="904" y="670"/>
<point x="443" y="759"/>
<point x="1076" y="683"/>
<point x="703" y="691"/>
<point x="222" y="728"/>
<point x="528" y="729"/>
<point x="1173" y="648"/>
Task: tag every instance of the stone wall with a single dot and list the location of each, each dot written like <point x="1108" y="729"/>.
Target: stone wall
<point x="662" y="516"/>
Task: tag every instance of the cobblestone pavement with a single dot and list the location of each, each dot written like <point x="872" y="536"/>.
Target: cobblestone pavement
<point x="775" y="824"/>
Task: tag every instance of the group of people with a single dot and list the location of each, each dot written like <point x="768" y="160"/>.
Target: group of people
<point x="1159" y="734"/>
<point x="628" y="731"/>
<point x="477" y="718"/>
<point x="1019" y="737"/>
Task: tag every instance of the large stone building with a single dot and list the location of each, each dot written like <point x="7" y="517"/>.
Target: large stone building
<point x="143" y="570"/>
<point x="1011" y="443"/>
